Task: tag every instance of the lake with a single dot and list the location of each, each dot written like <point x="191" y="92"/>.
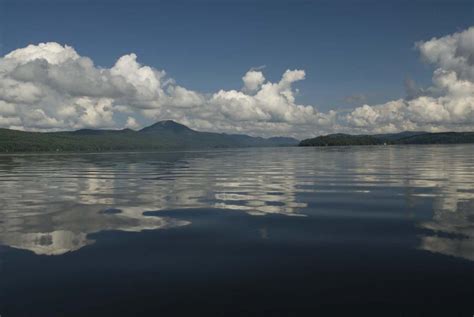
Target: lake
<point x="381" y="230"/>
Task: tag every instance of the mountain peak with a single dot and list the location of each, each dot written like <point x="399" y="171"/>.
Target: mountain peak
<point x="166" y="125"/>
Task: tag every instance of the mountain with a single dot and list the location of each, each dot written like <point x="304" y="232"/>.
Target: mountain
<point x="182" y="136"/>
<point x="439" y="138"/>
<point x="407" y="137"/>
<point x="167" y="126"/>
<point x="159" y="136"/>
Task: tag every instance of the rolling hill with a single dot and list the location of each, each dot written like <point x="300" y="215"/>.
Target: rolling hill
<point x="406" y="137"/>
<point x="161" y="135"/>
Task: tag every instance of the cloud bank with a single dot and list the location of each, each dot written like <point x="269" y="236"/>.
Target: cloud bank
<point x="447" y="105"/>
<point x="49" y="87"/>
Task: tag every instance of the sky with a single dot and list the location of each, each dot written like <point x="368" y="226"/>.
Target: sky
<point x="261" y="67"/>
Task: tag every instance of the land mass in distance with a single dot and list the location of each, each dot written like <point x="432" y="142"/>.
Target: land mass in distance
<point x="168" y="134"/>
<point x="162" y="135"/>
<point x="407" y="137"/>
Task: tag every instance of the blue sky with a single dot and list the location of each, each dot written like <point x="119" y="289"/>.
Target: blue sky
<point x="346" y="47"/>
<point x="353" y="53"/>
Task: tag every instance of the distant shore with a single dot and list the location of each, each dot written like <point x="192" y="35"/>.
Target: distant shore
<point x="389" y="139"/>
<point x="172" y="136"/>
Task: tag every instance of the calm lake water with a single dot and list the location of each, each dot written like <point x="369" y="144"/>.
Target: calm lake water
<point x="272" y="231"/>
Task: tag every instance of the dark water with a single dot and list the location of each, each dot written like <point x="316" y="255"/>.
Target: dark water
<point x="253" y="232"/>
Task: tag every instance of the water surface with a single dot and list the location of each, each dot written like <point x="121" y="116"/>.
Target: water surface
<point x="276" y="231"/>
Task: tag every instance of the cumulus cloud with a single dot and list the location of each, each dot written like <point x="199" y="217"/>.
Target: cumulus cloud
<point x="53" y="53"/>
<point x="253" y="80"/>
<point x="50" y="86"/>
<point x="131" y="123"/>
<point x="447" y="105"/>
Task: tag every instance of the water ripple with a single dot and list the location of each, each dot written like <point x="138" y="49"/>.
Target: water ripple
<point x="51" y="203"/>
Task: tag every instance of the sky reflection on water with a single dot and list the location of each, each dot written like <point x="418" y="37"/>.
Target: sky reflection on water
<point x="50" y="204"/>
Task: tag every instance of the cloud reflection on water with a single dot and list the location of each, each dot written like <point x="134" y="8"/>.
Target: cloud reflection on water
<point x="51" y="203"/>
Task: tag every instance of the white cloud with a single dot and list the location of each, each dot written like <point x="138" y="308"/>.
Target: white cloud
<point x="132" y="123"/>
<point x="253" y="80"/>
<point x="52" y="52"/>
<point x="143" y="87"/>
<point x="183" y="98"/>
<point x="447" y="105"/>
<point x="51" y="87"/>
